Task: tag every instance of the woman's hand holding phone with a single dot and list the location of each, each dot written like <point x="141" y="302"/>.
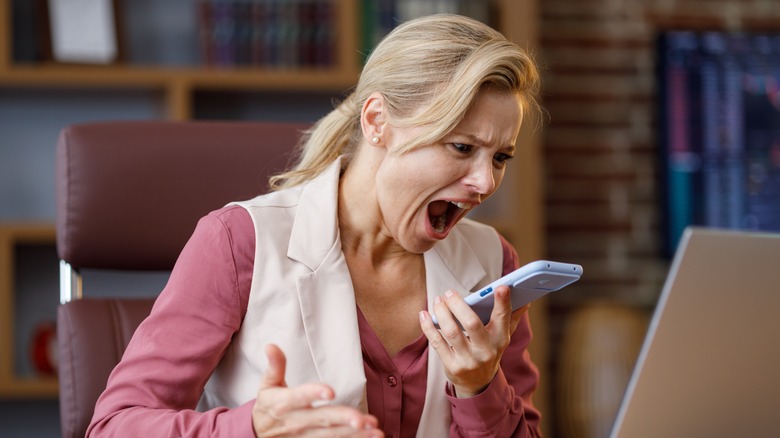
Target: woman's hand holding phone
<point x="529" y="282"/>
<point x="280" y="411"/>
<point x="470" y="350"/>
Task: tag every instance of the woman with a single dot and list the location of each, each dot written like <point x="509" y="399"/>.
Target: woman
<point x="307" y="311"/>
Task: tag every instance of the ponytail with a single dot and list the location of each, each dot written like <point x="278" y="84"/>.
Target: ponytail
<point x="332" y="136"/>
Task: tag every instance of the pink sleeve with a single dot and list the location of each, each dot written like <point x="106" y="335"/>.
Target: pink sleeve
<point x="504" y="408"/>
<point x="156" y="387"/>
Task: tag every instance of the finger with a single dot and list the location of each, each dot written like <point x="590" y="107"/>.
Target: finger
<point x="440" y="310"/>
<point x="468" y="319"/>
<point x="435" y="340"/>
<point x="324" y="417"/>
<point x="274" y="403"/>
<point x="277" y="363"/>
<point x="298" y="397"/>
<point x="307" y="395"/>
<point x="369" y="431"/>
<point x="343" y="432"/>
<point x="502" y="307"/>
<point x="449" y="326"/>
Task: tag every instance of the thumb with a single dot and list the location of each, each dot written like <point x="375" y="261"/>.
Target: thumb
<point x="274" y="375"/>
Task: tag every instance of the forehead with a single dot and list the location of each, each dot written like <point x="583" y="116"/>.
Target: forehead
<point x="494" y="116"/>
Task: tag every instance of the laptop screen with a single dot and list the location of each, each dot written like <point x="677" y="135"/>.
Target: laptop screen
<point x="710" y="363"/>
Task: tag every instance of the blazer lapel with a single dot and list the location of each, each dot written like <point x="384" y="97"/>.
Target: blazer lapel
<point x="326" y="296"/>
<point x="330" y="322"/>
<point x="315" y="229"/>
<point x="451" y="264"/>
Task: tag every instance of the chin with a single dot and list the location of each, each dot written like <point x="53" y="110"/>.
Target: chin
<point x="429" y="240"/>
<point x="419" y="245"/>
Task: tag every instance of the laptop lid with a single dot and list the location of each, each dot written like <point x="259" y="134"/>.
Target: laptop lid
<point x="710" y="363"/>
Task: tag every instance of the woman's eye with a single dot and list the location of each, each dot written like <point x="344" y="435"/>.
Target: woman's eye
<point x="502" y="158"/>
<point x="461" y="147"/>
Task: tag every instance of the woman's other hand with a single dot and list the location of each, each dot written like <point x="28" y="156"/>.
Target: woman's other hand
<point x="471" y="355"/>
<point x="280" y="411"/>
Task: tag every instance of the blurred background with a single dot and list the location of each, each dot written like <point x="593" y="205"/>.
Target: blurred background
<point x="659" y="114"/>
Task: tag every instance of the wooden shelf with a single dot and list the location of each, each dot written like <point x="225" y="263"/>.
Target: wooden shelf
<point x="30" y="388"/>
<point x="5" y="34"/>
<point x="55" y="75"/>
<point x="11" y="384"/>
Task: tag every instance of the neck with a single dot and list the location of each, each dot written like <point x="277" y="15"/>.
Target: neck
<point x="361" y="228"/>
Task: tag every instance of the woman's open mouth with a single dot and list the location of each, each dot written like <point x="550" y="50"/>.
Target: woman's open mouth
<point x="444" y="214"/>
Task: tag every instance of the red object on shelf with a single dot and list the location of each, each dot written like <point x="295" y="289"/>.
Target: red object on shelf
<point x="43" y="348"/>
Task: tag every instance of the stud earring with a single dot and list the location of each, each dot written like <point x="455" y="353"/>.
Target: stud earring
<point x="375" y="140"/>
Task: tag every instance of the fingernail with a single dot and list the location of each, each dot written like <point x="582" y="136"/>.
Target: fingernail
<point x="449" y="293"/>
<point x="437" y="300"/>
<point x="422" y="315"/>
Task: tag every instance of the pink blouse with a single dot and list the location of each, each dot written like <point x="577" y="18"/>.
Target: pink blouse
<point x="155" y="388"/>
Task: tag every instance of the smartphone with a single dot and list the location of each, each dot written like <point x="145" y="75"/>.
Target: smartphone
<point x="526" y="284"/>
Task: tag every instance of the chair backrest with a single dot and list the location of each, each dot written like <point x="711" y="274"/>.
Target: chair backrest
<point x="129" y="195"/>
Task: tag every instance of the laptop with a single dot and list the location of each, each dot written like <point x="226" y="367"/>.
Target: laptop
<point x="710" y="362"/>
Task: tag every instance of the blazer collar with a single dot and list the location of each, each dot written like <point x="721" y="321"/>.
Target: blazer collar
<point x="452" y="264"/>
<point x="315" y="228"/>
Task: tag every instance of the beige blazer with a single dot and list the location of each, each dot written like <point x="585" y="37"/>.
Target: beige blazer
<point x="304" y="301"/>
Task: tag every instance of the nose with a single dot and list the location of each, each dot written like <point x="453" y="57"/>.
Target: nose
<point x="481" y="178"/>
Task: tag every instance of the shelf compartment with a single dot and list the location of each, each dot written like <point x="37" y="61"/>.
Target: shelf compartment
<point x="15" y="382"/>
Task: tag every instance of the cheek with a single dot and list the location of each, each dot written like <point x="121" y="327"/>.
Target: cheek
<point x="393" y="180"/>
<point x="407" y="177"/>
<point x="498" y="177"/>
<point x="395" y="192"/>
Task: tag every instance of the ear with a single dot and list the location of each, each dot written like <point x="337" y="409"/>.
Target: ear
<point x="373" y="119"/>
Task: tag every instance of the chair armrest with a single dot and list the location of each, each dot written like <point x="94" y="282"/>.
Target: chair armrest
<point x="92" y="335"/>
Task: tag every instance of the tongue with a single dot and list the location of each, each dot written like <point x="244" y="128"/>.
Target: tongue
<point x="438" y="208"/>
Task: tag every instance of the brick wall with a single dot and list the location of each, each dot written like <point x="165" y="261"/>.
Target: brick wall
<point x="600" y="142"/>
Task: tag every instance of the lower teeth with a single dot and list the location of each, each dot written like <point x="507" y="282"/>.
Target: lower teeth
<point x="440" y="223"/>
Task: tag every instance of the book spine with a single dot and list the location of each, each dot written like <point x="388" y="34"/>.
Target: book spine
<point x="258" y="17"/>
<point x="242" y="17"/>
<point x="224" y="33"/>
<point x="205" y="30"/>
<point x="323" y="37"/>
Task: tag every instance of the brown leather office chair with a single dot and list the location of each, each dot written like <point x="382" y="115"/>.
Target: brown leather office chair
<point x="128" y="197"/>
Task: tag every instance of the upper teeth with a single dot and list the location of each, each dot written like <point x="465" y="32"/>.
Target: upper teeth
<point x="463" y="205"/>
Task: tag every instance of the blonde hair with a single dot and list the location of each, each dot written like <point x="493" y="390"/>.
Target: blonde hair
<point x="429" y="71"/>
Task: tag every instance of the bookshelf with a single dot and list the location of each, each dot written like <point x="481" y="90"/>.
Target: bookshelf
<point x="22" y="381"/>
<point x="516" y="210"/>
<point x="178" y="83"/>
